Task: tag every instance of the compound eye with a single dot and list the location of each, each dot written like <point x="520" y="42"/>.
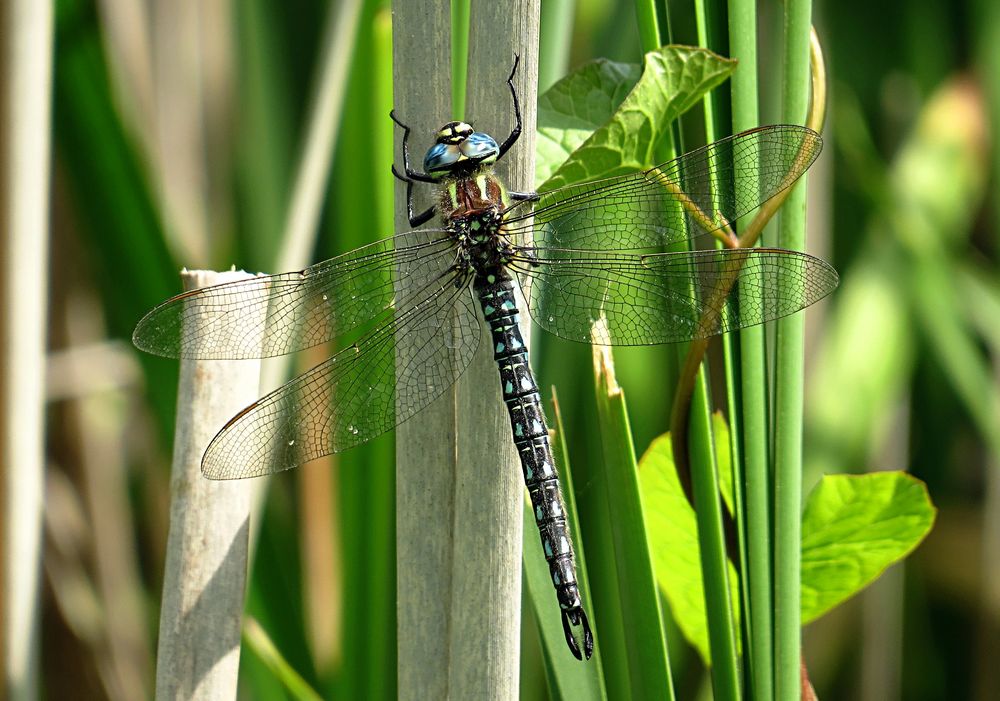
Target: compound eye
<point x="439" y="158"/>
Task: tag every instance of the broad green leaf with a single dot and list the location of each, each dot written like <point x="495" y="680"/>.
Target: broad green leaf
<point x="589" y="115"/>
<point x="575" y="107"/>
<point x="673" y="537"/>
<point x="853" y="528"/>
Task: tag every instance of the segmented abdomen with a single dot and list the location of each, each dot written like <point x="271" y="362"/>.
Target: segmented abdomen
<point x="531" y="437"/>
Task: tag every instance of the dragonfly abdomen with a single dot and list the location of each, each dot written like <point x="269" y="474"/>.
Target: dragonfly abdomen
<point x="531" y="439"/>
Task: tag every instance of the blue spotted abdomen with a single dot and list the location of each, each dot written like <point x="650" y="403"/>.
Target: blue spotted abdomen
<point x="531" y="437"/>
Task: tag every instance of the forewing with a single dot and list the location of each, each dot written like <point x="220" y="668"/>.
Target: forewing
<point x="627" y="300"/>
<point x="358" y="394"/>
<point x="697" y="193"/>
<point x="272" y="315"/>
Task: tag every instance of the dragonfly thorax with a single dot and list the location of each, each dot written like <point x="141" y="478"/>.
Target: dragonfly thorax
<point x="481" y="246"/>
<point x="459" y="150"/>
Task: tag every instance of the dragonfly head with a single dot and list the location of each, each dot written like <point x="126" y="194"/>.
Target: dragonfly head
<point x="459" y="148"/>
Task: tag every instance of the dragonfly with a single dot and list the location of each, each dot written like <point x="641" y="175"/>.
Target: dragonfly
<point x="592" y="262"/>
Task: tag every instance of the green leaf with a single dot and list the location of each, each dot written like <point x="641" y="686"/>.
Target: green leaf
<point x="673" y="537"/>
<point x="575" y="107"/>
<point x="606" y="119"/>
<point x="853" y="528"/>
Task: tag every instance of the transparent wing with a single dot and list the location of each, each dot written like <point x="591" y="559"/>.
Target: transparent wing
<point x="276" y="314"/>
<point x="667" y="297"/>
<point x="697" y="193"/>
<point x="361" y="392"/>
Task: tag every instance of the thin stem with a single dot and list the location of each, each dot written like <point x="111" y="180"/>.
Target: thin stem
<point x="686" y="385"/>
<point x="712" y="547"/>
<point x="789" y="359"/>
<point x="460" y="10"/>
<point x="751" y="471"/>
<point x="702" y="484"/>
<point x="817" y="67"/>
<point x="649" y="26"/>
<point x="265" y="649"/>
<point x="698" y="347"/>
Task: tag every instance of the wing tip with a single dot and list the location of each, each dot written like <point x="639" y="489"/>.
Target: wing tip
<point x="148" y="336"/>
<point x="235" y="454"/>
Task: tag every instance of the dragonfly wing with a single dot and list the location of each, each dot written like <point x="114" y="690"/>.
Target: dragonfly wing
<point x="358" y="394"/>
<point x="627" y="300"/>
<point x="272" y="315"/>
<point x="697" y="193"/>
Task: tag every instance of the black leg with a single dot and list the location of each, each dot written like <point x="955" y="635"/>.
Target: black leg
<point x="399" y="176"/>
<point x="410" y="172"/>
<point x="415" y="219"/>
<point x="516" y="132"/>
<point x="421" y="218"/>
<point x="410" y="177"/>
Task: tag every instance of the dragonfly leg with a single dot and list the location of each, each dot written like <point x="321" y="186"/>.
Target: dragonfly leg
<point x="410" y="172"/>
<point x="421" y="218"/>
<point x="415" y="219"/>
<point x="516" y="132"/>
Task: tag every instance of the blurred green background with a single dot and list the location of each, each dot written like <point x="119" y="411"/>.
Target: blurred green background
<point x="179" y="130"/>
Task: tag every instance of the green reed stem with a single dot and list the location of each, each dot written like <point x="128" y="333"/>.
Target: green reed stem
<point x="460" y="13"/>
<point x="751" y="470"/>
<point x="722" y="630"/>
<point x="789" y="384"/>
<point x="712" y="546"/>
<point x="649" y="25"/>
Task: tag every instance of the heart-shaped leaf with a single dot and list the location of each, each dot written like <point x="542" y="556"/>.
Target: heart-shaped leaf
<point x="853" y="528"/>
<point x="606" y="118"/>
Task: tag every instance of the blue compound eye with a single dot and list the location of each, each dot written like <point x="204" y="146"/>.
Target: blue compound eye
<point x="480" y="147"/>
<point x="474" y="149"/>
<point x="441" y="157"/>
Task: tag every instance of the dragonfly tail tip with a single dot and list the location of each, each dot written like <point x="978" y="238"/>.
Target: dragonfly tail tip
<point x="571" y="619"/>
